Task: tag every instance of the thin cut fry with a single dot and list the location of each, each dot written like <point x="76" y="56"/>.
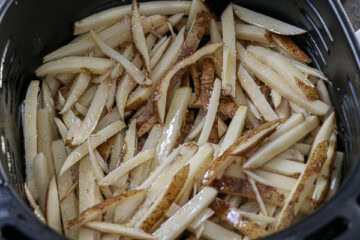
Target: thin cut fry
<point x="268" y="151"/>
<point x="256" y="95"/>
<point x="98" y="139"/>
<point x="75" y="65"/>
<point x="140" y="95"/>
<point x="119" y="230"/>
<point x="79" y="85"/>
<point x="159" y="53"/>
<point x="252" y="33"/>
<point x="114" y="36"/>
<point x="53" y="218"/>
<point x="134" y="72"/>
<point x="302" y="187"/>
<point x="48" y="103"/>
<point x="45" y="137"/>
<point x="211" y="113"/>
<point x="259" y="199"/>
<point x="111" y="16"/>
<point x="126" y="167"/>
<point x="93" y="115"/>
<point x="175" y="117"/>
<point x="336" y="174"/>
<point x="138" y="34"/>
<point x="30" y="134"/>
<point x="97" y="210"/>
<point x="42" y="177"/>
<point x="196" y="7"/>
<point x="228" y="75"/>
<point x="241" y="146"/>
<point x="273" y="80"/>
<point x="271" y="24"/>
<point x="292" y="122"/>
<point x="183" y="217"/>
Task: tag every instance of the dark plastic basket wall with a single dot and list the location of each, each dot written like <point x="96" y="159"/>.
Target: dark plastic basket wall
<point x="29" y="29"/>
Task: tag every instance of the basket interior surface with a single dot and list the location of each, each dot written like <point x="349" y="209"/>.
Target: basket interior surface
<point x="31" y="29"/>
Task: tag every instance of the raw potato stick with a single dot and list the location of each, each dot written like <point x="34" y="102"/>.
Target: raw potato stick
<point x="138" y="34"/>
<point x="111" y="16"/>
<point x="302" y="187"/>
<point x="93" y="115"/>
<point x="30" y="134"/>
<point x="228" y="75"/>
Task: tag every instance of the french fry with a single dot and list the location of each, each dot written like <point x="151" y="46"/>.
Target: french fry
<point x="172" y="21"/>
<point x="111" y="16"/>
<point x="275" y="180"/>
<point x="98" y="172"/>
<point x="241" y="146"/>
<point x="302" y="187"/>
<point x="271" y="149"/>
<point x="93" y="115"/>
<point x="275" y="81"/>
<point x="97" y="210"/>
<point x="211" y="113"/>
<point x="133" y="71"/>
<point x="284" y="68"/>
<point x="159" y="53"/>
<point x="196" y="7"/>
<point x="127" y="153"/>
<point x="42" y="177"/>
<point x="162" y="204"/>
<point x="322" y="181"/>
<point x="53" y="207"/>
<point x="215" y="37"/>
<point x="75" y="65"/>
<point x="324" y="133"/>
<point x="157" y="45"/>
<point x="228" y="75"/>
<point x="175" y="117"/>
<point x="292" y="154"/>
<point x="309" y="70"/>
<point x="254" y="111"/>
<point x="52" y="83"/>
<point x="48" y="103"/>
<point x="89" y="195"/>
<point x="154" y="174"/>
<point x="258" y="197"/>
<point x="235" y="129"/>
<point x="283" y="166"/>
<point x="237" y="220"/>
<point x="292" y="122"/>
<point x="78" y="87"/>
<point x="256" y="95"/>
<point x="336" y="174"/>
<point x="252" y="33"/>
<point x="33" y="204"/>
<point x="125" y="86"/>
<point x="271" y="24"/>
<point x="198" y="164"/>
<point x="114" y="36"/>
<point x="45" y="137"/>
<point x="98" y="139"/>
<point x="138" y="34"/>
<point x="119" y="230"/>
<point x="323" y="94"/>
<point x="30" y="134"/>
<point x="86" y="98"/>
<point x="172" y="227"/>
<point x="290" y="47"/>
<point x="111" y="94"/>
<point x="65" y="78"/>
<point x="109" y="118"/>
<point x="68" y="200"/>
<point x="211" y="231"/>
<point x="126" y="167"/>
<point x="140" y="95"/>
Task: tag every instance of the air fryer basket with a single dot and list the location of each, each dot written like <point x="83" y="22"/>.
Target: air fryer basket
<point x="30" y="29"/>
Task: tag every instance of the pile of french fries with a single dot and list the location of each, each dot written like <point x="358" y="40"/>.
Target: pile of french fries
<point x="159" y="121"/>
